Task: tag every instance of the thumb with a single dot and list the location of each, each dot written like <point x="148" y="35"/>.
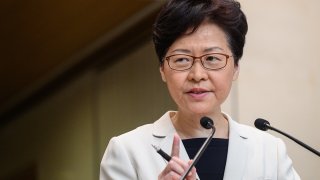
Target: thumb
<point x="175" y="145"/>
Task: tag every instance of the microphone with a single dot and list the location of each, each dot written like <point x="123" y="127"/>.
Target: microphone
<point x="206" y="123"/>
<point x="265" y="125"/>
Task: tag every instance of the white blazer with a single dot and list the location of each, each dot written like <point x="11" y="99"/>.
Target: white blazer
<point x="252" y="154"/>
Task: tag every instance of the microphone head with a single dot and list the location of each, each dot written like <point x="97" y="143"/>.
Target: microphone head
<point x="261" y="124"/>
<point x="206" y="122"/>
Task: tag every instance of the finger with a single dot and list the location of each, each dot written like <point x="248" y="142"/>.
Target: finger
<point x="172" y="176"/>
<point x="184" y="165"/>
<point x="174" y="168"/>
<point x="176" y="165"/>
<point x="175" y="145"/>
<point x="193" y="173"/>
<point x="180" y="167"/>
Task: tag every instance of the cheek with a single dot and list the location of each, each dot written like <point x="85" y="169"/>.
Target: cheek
<point x="175" y="83"/>
<point x="222" y="83"/>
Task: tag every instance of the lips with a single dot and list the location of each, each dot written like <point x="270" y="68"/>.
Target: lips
<point x="197" y="91"/>
<point x="198" y="94"/>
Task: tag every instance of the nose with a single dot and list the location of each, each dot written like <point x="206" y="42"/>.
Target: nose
<point x="197" y="72"/>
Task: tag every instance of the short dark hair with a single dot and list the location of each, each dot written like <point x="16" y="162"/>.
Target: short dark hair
<point x="177" y="16"/>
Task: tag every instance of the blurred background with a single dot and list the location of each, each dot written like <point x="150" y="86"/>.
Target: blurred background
<point x="75" y="73"/>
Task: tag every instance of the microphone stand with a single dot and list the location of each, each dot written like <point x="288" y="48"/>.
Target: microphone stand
<point x="199" y="153"/>
<point x="295" y="140"/>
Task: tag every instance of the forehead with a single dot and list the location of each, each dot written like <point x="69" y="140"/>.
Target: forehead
<point x="206" y="36"/>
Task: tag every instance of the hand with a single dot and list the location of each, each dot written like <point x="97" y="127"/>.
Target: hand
<point x="176" y="167"/>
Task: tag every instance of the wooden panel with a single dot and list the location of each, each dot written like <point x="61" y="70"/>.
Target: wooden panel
<point x="27" y="173"/>
<point x="37" y="36"/>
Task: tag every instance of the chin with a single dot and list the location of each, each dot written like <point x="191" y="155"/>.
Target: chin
<point x="201" y="111"/>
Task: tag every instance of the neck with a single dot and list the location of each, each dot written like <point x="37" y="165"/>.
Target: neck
<point x="188" y="126"/>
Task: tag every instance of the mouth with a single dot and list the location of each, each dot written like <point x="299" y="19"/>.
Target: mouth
<point x="197" y="91"/>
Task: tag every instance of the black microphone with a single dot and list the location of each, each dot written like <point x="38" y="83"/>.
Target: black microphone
<point x="206" y="123"/>
<point x="265" y="125"/>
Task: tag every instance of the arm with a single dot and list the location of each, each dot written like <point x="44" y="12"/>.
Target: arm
<point x="285" y="167"/>
<point x="116" y="163"/>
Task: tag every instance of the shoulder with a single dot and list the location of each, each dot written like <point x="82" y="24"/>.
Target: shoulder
<point x="145" y="134"/>
<point x="253" y="132"/>
<point x="128" y="146"/>
<point x="123" y="153"/>
<point x="253" y="137"/>
<point x="259" y="137"/>
<point x="272" y="150"/>
<point x="159" y="128"/>
<point x="249" y="132"/>
<point x="126" y="155"/>
<point x="261" y="142"/>
<point x="140" y="132"/>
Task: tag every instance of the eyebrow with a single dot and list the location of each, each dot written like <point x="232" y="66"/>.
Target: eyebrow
<point x="212" y="49"/>
<point x="205" y="50"/>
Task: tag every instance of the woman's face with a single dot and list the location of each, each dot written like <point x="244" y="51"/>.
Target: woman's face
<point x="197" y="90"/>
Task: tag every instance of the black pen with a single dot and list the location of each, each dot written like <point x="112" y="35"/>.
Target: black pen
<point x="162" y="153"/>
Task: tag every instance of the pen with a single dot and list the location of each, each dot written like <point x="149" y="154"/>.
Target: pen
<point x="162" y="153"/>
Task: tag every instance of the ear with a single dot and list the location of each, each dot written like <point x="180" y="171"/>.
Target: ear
<point x="162" y="73"/>
<point x="236" y="72"/>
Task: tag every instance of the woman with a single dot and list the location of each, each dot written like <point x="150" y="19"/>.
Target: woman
<point x="199" y="44"/>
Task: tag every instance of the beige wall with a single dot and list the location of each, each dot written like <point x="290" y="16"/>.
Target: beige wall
<point x="280" y="74"/>
<point x="66" y="135"/>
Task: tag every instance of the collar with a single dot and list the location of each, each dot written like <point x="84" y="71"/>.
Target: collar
<point x="163" y="126"/>
<point x="163" y="131"/>
<point x="237" y="151"/>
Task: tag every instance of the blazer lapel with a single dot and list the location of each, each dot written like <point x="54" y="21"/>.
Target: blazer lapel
<point x="163" y="131"/>
<point x="237" y="152"/>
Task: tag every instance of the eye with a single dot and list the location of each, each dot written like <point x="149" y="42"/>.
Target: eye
<point x="212" y="58"/>
<point x="181" y="60"/>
